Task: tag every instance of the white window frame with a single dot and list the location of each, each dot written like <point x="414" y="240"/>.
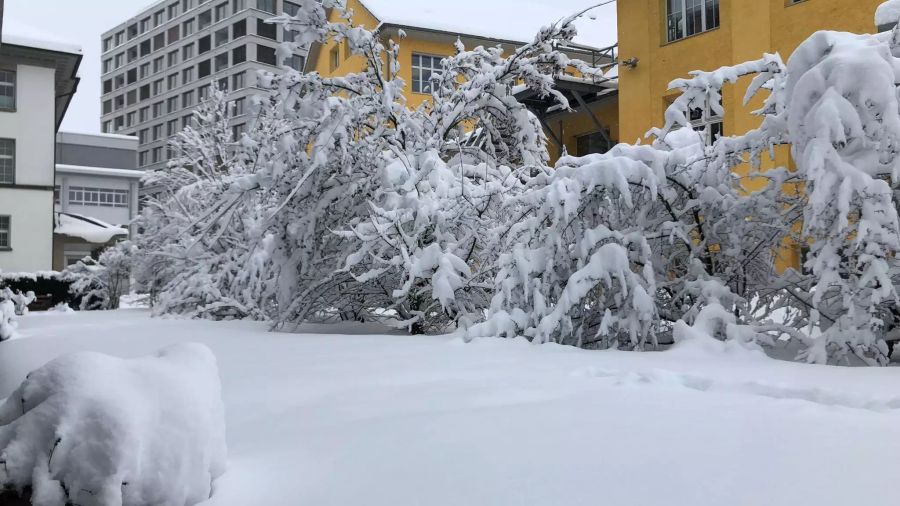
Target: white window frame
<point x="98" y="197"/>
<point x="11" y="177"/>
<point x="5" y="232"/>
<point x="8" y="81"/>
<point x="680" y="16"/>
<point x="420" y="83"/>
<point x="708" y="123"/>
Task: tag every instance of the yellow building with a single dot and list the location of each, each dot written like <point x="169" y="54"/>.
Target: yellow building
<point x="666" y="39"/>
<point x="430" y="30"/>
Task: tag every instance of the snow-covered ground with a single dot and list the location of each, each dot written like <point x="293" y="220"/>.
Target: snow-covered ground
<point x="375" y="420"/>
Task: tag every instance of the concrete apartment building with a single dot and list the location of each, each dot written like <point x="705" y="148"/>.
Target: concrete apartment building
<point x="37" y="81"/>
<point x="158" y="65"/>
<point x="96" y="193"/>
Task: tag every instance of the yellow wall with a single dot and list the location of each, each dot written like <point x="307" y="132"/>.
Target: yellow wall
<point x="748" y="28"/>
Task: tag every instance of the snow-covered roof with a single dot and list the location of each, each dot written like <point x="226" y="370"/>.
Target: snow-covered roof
<point x="90" y="229"/>
<point x="99" y="171"/>
<point x="19" y="33"/>
<point x="511" y="20"/>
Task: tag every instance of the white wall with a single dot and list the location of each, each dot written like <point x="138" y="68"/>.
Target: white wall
<point x="112" y="215"/>
<point x="31" y="213"/>
<point x="33" y="127"/>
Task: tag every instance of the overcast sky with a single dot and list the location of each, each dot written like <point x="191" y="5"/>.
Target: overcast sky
<point x="81" y="22"/>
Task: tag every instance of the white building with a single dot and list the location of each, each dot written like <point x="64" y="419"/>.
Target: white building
<point x="97" y="193"/>
<point x="37" y="81"/>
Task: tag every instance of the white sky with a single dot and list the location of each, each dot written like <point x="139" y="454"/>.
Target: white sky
<point x="82" y="22"/>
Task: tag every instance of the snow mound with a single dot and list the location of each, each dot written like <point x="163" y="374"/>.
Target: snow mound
<point x="92" y="429"/>
<point x="887" y="13"/>
<point x="90" y="229"/>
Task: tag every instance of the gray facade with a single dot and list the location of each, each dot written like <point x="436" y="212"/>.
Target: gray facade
<point x="96" y="151"/>
<point x="157" y="66"/>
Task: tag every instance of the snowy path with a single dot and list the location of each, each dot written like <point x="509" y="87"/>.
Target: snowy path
<point x="387" y="420"/>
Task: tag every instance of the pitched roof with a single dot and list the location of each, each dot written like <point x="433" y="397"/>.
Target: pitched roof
<point x="510" y="20"/>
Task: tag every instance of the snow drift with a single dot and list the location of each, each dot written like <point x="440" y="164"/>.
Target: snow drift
<point x="91" y="429"/>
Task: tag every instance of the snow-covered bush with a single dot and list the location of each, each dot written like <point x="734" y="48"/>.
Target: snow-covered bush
<point x="92" y="429"/>
<point x="12" y="304"/>
<point x="99" y="284"/>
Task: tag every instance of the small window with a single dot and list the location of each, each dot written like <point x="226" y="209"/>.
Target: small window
<point x="5" y="232"/>
<point x="187" y="75"/>
<point x="221" y="11"/>
<point x="172" y="104"/>
<point x="204" y="44"/>
<point x="267" y="30"/>
<point x="237" y="131"/>
<point x="296" y="62"/>
<point x="144" y="92"/>
<point x="7" y="90"/>
<point x="204" y="19"/>
<point x="187" y="52"/>
<point x="592" y="143"/>
<point x="238" y="109"/>
<point x="221" y="36"/>
<point x="423" y="69"/>
<point x="145" y="70"/>
<point x="239" y="29"/>
<point x="7" y="161"/>
<point x="172" y="58"/>
<point x="132" y="31"/>
<point x="221" y="61"/>
<point x="265" y="54"/>
<point x="203" y="69"/>
<point x="706" y="121"/>
<point x="187" y="27"/>
<point x="159" y="41"/>
<point x="142" y="158"/>
<point x="238" y="5"/>
<point x="174" y="34"/>
<point x="239" y="55"/>
<point x="146" y="47"/>
<point x="187" y="99"/>
<point x="172" y="127"/>
<point x="238" y="81"/>
<point x="266" y="5"/>
<point x="173" y="11"/>
<point x="334" y="58"/>
<point x="690" y="17"/>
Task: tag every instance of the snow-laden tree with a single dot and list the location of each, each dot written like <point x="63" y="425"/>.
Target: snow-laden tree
<point x="101" y="283"/>
<point x="200" y="230"/>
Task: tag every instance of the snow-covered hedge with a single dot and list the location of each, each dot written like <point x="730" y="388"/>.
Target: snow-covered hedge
<point x="92" y="429"/>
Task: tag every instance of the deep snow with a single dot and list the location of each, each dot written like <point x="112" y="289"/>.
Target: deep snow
<point x="394" y="420"/>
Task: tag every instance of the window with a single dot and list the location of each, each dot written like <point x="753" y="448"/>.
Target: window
<point x="172" y="58"/>
<point x="157" y="132"/>
<point x="107" y="127"/>
<point x="204" y="20"/>
<point x="157" y="155"/>
<point x="238" y="55"/>
<point x="172" y="127"/>
<point x="157" y="109"/>
<point x="130" y="119"/>
<point x="172" y="104"/>
<point x="118" y="102"/>
<point x="221" y="61"/>
<point x="174" y="34"/>
<point x="334" y="57"/>
<point x="173" y="11"/>
<point x="237" y="81"/>
<point x="690" y="17"/>
<point x="158" y="18"/>
<point x="159" y="41"/>
<point x="592" y="143"/>
<point x="107" y="66"/>
<point x="157" y="87"/>
<point x="187" y="5"/>
<point x="266" y="5"/>
<point x="265" y="54"/>
<point x="120" y="81"/>
<point x="107" y="106"/>
<point x="120" y="58"/>
<point x="100" y="197"/>
<point x="132" y="76"/>
<point x="203" y="69"/>
<point x="291" y="9"/>
<point x="143" y="136"/>
<point x="239" y="29"/>
<point x="238" y="5"/>
<point x="5" y="232"/>
<point x="422" y="69"/>
<point x="172" y="81"/>
<point x="296" y="62"/>
<point x="132" y="31"/>
<point x="222" y="84"/>
<point x="706" y="121"/>
<point x="131" y="98"/>
<point x="144" y="92"/>
<point x="118" y="123"/>
<point x="7" y="90"/>
<point x="145" y="70"/>
<point x="204" y="44"/>
<point x="144" y="114"/>
<point x="186" y="121"/>
<point x="221" y="11"/>
<point x="202" y="93"/>
<point x="120" y="38"/>
<point x="267" y="30"/>
<point x="145" y="25"/>
<point x="158" y="64"/>
<point x="187" y="99"/>
<point x="239" y="104"/>
<point x="187" y="52"/>
<point x="132" y="54"/>
<point x="237" y="131"/>
<point x="221" y="36"/>
<point x="107" y="44"/>
<point x="187" y="75"/>
<point x="142" y="158"/>
<point x="187" y="27"/>
<point x="145" y="48"/>
<point x="7" y="161"/>
<point x="107" y="87"/>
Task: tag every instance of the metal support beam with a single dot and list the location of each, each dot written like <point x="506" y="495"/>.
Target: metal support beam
<point x="590" y="113"/>
<point x="549" y="130"/>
